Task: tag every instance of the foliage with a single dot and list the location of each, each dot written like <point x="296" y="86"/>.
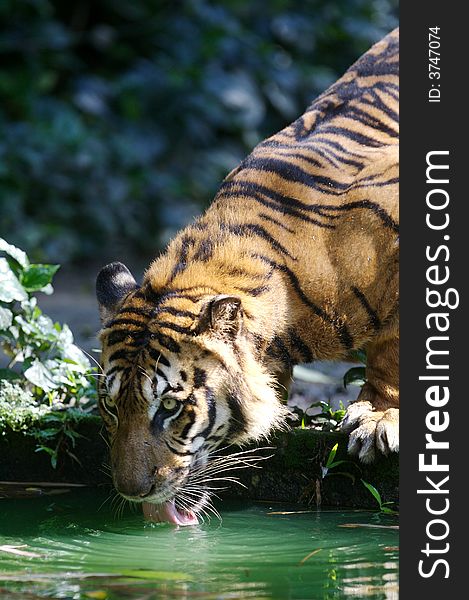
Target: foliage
<point x="327" y="420"/>
<point x="57" y="433"/>
<point x="42" y="357"/>
<point x="356" y="375"/>
<point x="54" y="430"/>
<point x="383" y="506"/>
<point x="18" y="408"/>
<point x="118" y="120"/>
<point x="332" y="464"/>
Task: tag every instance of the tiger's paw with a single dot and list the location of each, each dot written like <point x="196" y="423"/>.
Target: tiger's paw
<point x="371" y="430"/>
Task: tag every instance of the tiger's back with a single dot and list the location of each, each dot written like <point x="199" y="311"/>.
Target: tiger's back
<point x="320" y="200"/>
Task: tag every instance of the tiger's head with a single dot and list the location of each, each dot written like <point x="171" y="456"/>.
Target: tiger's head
<point x="182" y="376"/>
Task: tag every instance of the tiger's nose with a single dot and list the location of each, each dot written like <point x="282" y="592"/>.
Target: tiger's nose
<point x="134" y="487"/>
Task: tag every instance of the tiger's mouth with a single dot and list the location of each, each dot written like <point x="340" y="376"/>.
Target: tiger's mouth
<point x="169" y="512"/>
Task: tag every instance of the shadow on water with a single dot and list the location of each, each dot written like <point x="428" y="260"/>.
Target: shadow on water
<point x="66" y="546"/>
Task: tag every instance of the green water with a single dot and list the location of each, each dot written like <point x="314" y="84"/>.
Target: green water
<point x="78" y="550"/>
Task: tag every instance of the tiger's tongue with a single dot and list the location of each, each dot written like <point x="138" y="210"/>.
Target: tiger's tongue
<point x="168" y="513"/>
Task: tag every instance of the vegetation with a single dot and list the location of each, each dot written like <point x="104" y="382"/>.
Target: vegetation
<point x="327" y="419"/>
<point x="118" y="120"/>
<point x="332" y="464"/>
<point x="384" y="507"/>
<point x="45" y="372"/>
<point x="42" y="356"/>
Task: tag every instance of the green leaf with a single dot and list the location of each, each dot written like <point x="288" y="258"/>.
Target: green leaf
<point x="40" y="376"/>
<point x="355" y="376"/>
<point x="52" y="453"/>
<point x="37" y="277"/>
<point x="330" y="458"/>
<point x="10" y="288"/>
<point x="9" y="374"/>
<point x="373" y="491"/>
<point x="389" y="511"/>
<point x="20" y="256"/>
<point x="6" y="318"/>
<point x="47" y="433"/>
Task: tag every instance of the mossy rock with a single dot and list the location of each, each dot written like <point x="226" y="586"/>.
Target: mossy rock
<point x="294" y="473"/>
<point x="82" y="463"/>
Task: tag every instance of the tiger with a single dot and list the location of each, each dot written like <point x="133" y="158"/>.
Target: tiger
<point x="295" y="260"/>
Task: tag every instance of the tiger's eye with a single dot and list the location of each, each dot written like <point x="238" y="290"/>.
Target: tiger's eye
<point x="169" y="403"/>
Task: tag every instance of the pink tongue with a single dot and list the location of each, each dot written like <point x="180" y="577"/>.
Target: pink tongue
<point x="168" y="513"/>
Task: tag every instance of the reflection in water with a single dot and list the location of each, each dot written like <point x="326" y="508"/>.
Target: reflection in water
<point x="74" y="551"/>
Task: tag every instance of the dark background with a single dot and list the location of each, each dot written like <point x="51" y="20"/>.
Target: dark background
<point x="120" y="118"/>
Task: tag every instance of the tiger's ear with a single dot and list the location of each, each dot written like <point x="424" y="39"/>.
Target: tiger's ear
<point x="113" y="283"/>
<point x="221" y="315"/>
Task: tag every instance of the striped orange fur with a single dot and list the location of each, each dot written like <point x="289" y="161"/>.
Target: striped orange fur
<point x="295" y="260"/>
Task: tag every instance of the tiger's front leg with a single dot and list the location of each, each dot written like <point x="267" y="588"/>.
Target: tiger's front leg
<point x="373" y="420"/>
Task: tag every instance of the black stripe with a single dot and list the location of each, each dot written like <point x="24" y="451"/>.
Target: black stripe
<point x="374" y="319"/>
<point x="278" y="223"/>
<point x="313" y="148"/>
<point x="368" y="205"/>
<point x="369" y="120"/>
<point x="187" y="427"/>
<point x="167" y="342"/>
<point x="257" y="291"/>
<point x="212" y="412"/>
<point x="160" y="373"/>
<point x="175" y="327"/>
<point x="177" y="312"/>
<point x="284" y="210"/>
<point x="116" y="368"/>
<point x="157" y="356"/>
<point x="279" y="351"/>
<point x="243" y="229"/>
<point x="124" y="321"/>
<point x="200" y="378"/>
<point x="237" y="421"/>
<point x="186" y="243"/>
<point x="123" y="354"/>
<point x="359" y="138"/>
<point x="292" y="172"/>
<point x="340" y="328"/>
<point x="117" y="337"/>
<point x="134" y="310"/>
<point x="188" y="453"/>
<point x="300" y="347"/>
<point x="204" y="251"/>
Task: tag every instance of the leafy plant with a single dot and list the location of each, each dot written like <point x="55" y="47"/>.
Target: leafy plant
<point x="331" y="463"/>
<point x="55" y="431"/>
<point x="42" y="357"/>
<point x="383" y="506"/>
<point x="327" y="420"/>
<point x="19" y="410"/>
<point x="356" y="375"/>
